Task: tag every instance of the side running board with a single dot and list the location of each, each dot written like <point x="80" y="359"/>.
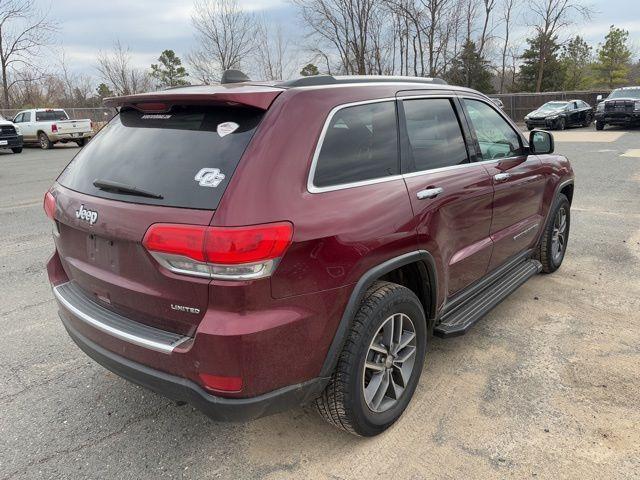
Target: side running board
<point x="459" y="319"/>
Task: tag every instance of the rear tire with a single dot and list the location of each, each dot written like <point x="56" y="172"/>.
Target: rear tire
<point x="44" y="141"/>
<point x="599" y="125"/>
<point x="17" y="150"/>
<point x="377" y="371"/>
<point x="553" y="244"/>
<point x="82" y="142"/>
<point x="587" y="122"/>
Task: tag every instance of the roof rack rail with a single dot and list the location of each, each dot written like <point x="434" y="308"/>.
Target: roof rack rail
<point x="319" y="80"/>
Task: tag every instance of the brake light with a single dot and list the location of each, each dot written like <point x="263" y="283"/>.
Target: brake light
<point x="50" y="205"/>
<point x="234" y="253"/>
<point x="91" y="124"/>
<point x="54" y="128"/>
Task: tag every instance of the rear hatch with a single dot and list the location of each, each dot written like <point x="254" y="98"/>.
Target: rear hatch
<point x="161" y="155"/>
<point x="69" y="127"/>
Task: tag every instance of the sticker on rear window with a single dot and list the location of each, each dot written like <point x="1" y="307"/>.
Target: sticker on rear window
<point x="226" y="128"/>
<point x="209" y="177"/>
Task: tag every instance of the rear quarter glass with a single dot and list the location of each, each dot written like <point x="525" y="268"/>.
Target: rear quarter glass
<point x="165" y="153"/>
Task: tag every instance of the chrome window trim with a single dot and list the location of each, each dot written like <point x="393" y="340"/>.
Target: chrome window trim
<point x="311" y="188"/>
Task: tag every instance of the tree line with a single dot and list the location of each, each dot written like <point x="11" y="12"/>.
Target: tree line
<point x="474" y="43"/>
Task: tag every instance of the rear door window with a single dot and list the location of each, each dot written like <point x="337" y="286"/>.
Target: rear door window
<point x="187" y="156"/>
<point x="51" y="116"/>
<point x="360" y="143"/>
<point x="435" y="137"/>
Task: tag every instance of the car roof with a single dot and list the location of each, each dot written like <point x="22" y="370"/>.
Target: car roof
<point x="260" y="94"/>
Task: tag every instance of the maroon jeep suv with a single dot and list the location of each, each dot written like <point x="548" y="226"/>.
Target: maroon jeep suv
<point x="251" y="246"/>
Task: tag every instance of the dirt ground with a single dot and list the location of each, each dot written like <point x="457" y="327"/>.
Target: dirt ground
<point x="545" y="386"/>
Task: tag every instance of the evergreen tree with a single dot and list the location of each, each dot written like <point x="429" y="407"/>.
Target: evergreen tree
<point x="470" y="69"/>
<point x="614" y="58"/>
<point x="541" y="49"/>
<point x="104" y="91"/>
<point x="576" y="62"/>
<point x="169" y="72"/>
<point x="309" y="70"/>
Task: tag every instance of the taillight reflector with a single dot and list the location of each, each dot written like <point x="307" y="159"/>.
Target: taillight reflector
<point x="50" y="205"/>
<point x="218" y="383"/>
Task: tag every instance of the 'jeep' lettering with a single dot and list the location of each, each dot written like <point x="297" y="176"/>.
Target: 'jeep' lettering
<point x="87" y="215"/>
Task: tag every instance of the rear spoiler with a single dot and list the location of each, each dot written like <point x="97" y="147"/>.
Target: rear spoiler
<point x="259" y="97"/>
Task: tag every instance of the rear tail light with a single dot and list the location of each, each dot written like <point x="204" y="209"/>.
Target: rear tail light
<point x="231" y="253"/>
<point x="50" y="205"/>
<point x="91" y="124"/>
<point x="54" y="128"/>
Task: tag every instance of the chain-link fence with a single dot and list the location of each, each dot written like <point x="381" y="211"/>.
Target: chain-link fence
<point x="96" y="115"/>
<point x="517" y="105"/>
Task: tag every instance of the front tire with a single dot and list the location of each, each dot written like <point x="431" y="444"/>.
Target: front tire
<point x="17" y="150"/>
<point x="562" y="124"/>
<point x="599" y="125"/>
<point x="555" y="237"/>
<point x="43" y="140"/>
<point x="381" y="362"/>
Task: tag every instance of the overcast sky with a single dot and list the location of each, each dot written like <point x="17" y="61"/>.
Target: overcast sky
<point x="150" y="26"/>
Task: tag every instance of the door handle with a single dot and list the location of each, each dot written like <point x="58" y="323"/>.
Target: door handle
<point x="429" y="193"/>
<point x="501" y="177"/>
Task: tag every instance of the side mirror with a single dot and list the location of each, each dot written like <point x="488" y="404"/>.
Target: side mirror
<point x="541" y="142"/>
<point x="599" y="98"/>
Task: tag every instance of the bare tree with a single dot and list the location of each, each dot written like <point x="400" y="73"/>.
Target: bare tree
<point x="226" y="36"/>
<point x="24" y="31"/>
<point x="552" y="16"/>
<point x="273" y="52"/>
<point x="346" y="26"/>
<point x="508" y="10"/>
<point x="116" y="70"/>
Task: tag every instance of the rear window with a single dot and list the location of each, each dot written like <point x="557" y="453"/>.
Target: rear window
<point x="51" y="115"/>
<point x="187" y="155"/>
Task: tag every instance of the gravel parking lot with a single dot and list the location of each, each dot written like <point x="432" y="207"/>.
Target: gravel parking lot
<point x="546" y="386"/>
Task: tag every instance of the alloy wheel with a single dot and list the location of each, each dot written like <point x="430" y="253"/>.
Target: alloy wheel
<point x="389" y="363"/>
<point x="559" y="235"/>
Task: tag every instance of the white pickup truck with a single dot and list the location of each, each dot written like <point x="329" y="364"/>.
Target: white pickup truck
<point x="47" y="126"/>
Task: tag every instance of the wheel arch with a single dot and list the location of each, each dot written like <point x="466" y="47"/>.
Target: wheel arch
<point x="416" y="270"/>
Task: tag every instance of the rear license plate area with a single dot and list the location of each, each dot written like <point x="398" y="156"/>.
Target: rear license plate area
<point x="103" y="252"/>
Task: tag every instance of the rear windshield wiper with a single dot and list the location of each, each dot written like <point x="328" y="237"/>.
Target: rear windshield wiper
<point x="110" y="185"/>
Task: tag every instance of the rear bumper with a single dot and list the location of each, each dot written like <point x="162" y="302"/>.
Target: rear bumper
<point x="182" y="389"/>
<point x="58" y="137"/>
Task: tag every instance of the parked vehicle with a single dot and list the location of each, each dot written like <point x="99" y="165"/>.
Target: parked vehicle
<point x="305" y="249"/>
<point x="498" y="102"/>
<point x="560" y="115"/>
<point x="47" y="127"/>
<point x="10" y="136"/>
<point x="621" y="107"/>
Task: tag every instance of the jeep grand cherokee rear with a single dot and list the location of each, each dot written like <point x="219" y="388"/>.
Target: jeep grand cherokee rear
<point x="253" y="247"/>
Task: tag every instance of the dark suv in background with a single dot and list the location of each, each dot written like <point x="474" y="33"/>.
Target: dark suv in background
<point x="254" y="246"/>
<point x="621" y="107"/>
